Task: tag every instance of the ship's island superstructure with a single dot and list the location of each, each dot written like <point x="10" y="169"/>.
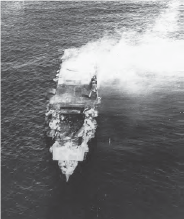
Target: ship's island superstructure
<point x="70" y="116"/>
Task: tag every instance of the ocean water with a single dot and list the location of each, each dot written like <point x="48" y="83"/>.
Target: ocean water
<point x="135" y="166"/>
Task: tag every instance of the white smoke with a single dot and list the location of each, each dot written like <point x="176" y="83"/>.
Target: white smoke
<point x="134" y="59"/>
<point x="167" y="21"/>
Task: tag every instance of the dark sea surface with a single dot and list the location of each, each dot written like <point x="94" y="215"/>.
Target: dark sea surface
<point x="135" y="167"/>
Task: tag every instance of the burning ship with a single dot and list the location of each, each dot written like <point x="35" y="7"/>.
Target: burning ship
<point x="70" y="116"/>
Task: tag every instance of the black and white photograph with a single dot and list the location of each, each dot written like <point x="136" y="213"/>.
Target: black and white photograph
<point x="92" y="109"/>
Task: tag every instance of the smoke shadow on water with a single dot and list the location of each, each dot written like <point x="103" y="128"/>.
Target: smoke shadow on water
<point x="132" y="162"/>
